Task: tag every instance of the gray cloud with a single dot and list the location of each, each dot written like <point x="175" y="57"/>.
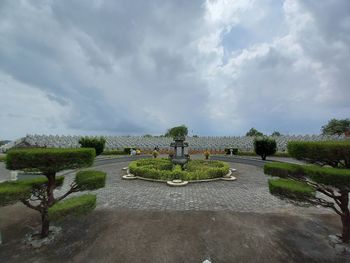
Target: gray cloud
<point x="135" y="67"/>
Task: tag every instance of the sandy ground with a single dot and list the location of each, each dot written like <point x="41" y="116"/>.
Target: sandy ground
<point x="120" y="235"/>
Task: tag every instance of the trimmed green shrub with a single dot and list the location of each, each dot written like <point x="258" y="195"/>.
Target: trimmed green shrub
<point x="40" y="181"/>
<point x="163" y="169"/>
<point x="2" y="158"/>
<point x="265" y="146"/>
<point x="98" y="143"/>
<point x="333" y="153"/>
<point x="49" y="160"/>
<point x="75" y="206"/>
<point x="290" y="189"/>
<point x="114" y="152"/>
<point x="11" y="192"/>
<point x="90" y="180"/>
<point x="283" y="170"/>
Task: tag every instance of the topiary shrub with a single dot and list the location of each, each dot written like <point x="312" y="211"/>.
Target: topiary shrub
<point x="98" y="143"/>
<point x="163" y="169"/>
<point x="75" y="206"/>
<point x="325" y="186"/>
<point x="90" y="180"/>
<point x="265" y="146"/>
<point x="38" y="193"/>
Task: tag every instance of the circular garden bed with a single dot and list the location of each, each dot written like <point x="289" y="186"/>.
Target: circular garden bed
<point x="163" y="169"/>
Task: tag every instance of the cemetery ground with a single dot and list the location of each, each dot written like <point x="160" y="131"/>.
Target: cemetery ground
<point x="139" y="221"/>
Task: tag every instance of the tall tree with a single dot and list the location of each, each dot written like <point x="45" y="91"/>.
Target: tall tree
<point x="177" y="131"/>
<point x="314" y="184"/>
<point x="338" y="127"/>
<point x="253" y="132"/>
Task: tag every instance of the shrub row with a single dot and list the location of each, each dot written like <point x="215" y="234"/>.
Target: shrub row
<point x="49" y="160"/>
<point x="74" y="206"/>
<point x="90" y="180"/>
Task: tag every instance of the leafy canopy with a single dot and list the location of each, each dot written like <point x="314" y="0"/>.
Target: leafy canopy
<point x="253" y="132"/>
<point x="337" y="127"/>
<point x="177" y="131"/>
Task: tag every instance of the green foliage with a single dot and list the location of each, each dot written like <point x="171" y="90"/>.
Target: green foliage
<point x="178" y="131"/>
<point x="283" y="170"/>
<point x="291" y="189"/>
<point x="335" y="126"/>
<point x="254" y="132"/>
<point x="333" y="153"/>
<point x="48" y="160"/>
<point x="74" y="206"/>
<point x="2" y="158"/>
<point x="276" y="134"/>
<point x="12" y="192"/>
<point x="163" y="169"/>
<point x="90" y="180"/>
<point x="114" y="152"/>
<point x="98" y="143"/>
<point x="265" y="146"/>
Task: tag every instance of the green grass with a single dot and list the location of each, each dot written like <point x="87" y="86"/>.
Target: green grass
<point x="75" y="206"/>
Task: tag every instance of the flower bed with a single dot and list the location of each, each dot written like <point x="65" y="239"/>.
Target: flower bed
<point x="164" y="169"/>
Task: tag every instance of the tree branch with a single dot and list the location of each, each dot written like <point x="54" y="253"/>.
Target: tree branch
<point x="28" y="204"/>
<point x="73" y="189"/>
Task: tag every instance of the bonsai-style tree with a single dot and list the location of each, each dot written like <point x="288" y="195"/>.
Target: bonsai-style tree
<point x="38" y="193"/>
<point x="254" y="132"/>
<point x="265" y="146"/>
<point x="98" y="143"/>
<point x="178" y="131"/>
<point x="325" y="186"/>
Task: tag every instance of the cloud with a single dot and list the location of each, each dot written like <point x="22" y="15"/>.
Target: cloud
<point x="136" y="67"/>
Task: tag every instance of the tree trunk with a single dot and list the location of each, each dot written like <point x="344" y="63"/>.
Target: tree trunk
<point x="45" y="224"/>
<point x="263" y="157"/>
<point x="345" y="217"/>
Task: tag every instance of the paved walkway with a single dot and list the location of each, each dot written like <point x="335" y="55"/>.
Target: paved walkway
<point x="249" y="193"/>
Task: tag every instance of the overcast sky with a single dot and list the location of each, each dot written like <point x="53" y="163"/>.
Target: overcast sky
<point x="131" y="67"/>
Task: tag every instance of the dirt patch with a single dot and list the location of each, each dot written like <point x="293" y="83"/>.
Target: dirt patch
<point x="174" y="236"/>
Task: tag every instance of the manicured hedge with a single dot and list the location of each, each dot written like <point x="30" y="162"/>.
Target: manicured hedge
<point x="49" y="160"/>
<point x="163" y="169"/>
<point x="42" y="180"/>
<point x="75" y="206"/>
<point x="283" y="170"/>
<point x="12" y="192"/>
<point x="333" y="153"/>
<point x="290" y="189"/>
<point x="98" y="143"/>
<point x="90" y="180"/>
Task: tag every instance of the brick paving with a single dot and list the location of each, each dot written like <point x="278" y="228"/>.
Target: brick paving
<point x="249" y="193"/>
